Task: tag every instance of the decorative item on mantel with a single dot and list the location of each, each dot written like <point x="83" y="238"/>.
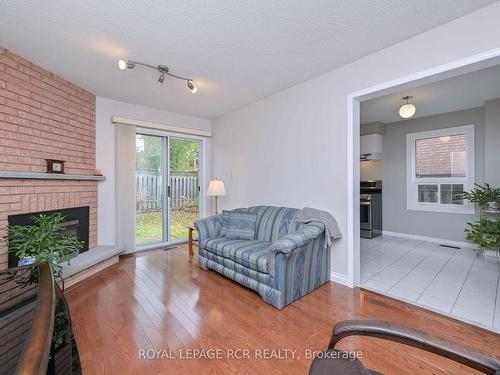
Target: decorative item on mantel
<point x="55" y="166"/>
<point x="97" y="172"/>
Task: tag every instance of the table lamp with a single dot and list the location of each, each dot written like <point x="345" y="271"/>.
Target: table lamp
<point x="216" y="189"/>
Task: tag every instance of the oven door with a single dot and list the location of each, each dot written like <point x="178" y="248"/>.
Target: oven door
<point x="366" y="214"/>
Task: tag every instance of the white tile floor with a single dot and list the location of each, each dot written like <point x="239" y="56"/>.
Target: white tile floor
<point x="449" y="281"/>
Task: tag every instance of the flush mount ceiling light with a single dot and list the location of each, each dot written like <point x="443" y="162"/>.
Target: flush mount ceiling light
<point x="407" y="110"/>
<point x="162" y="69"/>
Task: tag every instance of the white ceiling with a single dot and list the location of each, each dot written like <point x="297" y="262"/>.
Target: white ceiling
<point x="453" y="94"/>
<point x="237" y="51"/>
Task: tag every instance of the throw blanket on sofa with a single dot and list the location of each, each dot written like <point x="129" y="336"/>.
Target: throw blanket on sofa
<point x="308" y="214"/>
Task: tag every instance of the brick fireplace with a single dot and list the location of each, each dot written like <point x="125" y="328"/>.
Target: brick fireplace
<point x="43" y="116"/>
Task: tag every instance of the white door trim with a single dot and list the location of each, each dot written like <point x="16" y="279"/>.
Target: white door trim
<point x="353" y="169"/>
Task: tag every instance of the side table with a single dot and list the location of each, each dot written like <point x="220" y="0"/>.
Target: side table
<point x="192" y="241"/>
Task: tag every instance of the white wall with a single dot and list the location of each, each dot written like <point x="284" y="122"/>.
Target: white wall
<point x="290" y="148"/>
<point x="492" y="142"/>
<point x="105" y="153"/>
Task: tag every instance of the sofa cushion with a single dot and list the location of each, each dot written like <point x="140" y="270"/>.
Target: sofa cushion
<point x="273" y="222"/>
<point x="249" y="253"/>
<point x="224" y="216"/>
<point x="239" y="225"/>
<point x="261" y="277"/>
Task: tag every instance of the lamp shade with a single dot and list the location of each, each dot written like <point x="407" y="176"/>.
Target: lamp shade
<point x="216" y="188"/>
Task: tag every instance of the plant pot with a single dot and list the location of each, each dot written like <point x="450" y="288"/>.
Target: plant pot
<point x="26" y="261"/>
<point x="493" y="206"/>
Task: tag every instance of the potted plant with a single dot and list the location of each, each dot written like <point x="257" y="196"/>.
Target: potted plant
<point x="486" y="197"/>
<point x="42" y="241"/>
<point x="486" y="233"/>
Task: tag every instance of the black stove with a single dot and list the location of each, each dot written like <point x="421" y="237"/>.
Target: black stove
<point x="371" y="208"/>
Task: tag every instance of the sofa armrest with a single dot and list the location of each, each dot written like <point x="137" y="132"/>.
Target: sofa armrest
<point x="208" y="227"/>
<point x="291" y="241"/>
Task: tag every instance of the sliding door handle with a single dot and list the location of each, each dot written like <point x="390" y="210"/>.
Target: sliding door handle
<point x="168" y="191"/>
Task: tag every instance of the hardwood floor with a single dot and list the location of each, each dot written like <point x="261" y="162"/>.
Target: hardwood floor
<point x="162" y="300"/>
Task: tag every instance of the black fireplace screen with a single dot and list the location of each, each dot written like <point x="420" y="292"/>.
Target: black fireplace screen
<point x="76" y="222"/>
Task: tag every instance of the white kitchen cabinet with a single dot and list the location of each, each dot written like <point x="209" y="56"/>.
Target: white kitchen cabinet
<point x="371" y="147"/>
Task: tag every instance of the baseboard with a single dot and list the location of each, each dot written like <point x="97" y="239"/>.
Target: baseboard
<point x="339" y="278"/>
<point x="441" y="241"/>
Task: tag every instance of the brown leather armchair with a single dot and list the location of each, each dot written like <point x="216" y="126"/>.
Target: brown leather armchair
<point x="333" y="362"/>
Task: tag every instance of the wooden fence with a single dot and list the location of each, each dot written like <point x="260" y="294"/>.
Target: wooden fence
<point x="150" y="190"/>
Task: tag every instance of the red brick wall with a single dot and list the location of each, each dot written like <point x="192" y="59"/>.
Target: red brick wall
<point x="441" y="156"/>
<point x="43" y="116"/>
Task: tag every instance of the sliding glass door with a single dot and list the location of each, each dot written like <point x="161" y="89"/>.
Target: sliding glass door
<point x="150" y="192"/>
<point x="184" y="171"/>
<point x="167" y="188"/>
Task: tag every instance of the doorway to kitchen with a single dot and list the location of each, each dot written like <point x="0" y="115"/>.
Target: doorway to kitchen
<point x="427" y="252"/>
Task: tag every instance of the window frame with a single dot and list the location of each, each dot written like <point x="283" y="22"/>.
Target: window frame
<point x="413" y="181"/>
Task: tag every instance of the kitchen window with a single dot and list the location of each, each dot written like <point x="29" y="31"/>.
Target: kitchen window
<point x="440" y="166"/>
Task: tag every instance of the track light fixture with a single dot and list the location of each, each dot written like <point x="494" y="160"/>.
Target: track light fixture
<point x="162" y="69"/>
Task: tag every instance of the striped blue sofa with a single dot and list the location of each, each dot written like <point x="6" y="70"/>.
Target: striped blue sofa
<point x="284" y="262"/>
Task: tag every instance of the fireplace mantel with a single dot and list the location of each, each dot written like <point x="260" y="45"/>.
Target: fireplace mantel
<point x="49" y="176"/>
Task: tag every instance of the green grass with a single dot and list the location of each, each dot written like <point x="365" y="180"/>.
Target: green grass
<point x="149" y="225"/>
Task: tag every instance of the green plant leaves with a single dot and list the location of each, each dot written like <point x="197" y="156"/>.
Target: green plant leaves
<point x="482" y="195"/>
<point x="43" y="240"/>
<point x="485" y="232"/>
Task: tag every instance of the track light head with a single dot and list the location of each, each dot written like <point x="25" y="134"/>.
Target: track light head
<point x="161" y="79"/>
<point x="192" y="87"/>
<point x="162" y="69"/>
<point x="122" y="64"/>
